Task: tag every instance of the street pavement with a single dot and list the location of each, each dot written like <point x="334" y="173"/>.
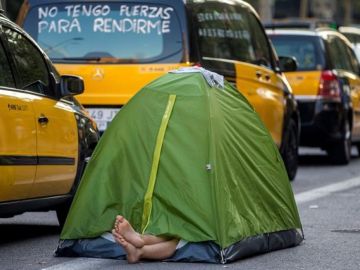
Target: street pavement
<point x="328" y="203"/>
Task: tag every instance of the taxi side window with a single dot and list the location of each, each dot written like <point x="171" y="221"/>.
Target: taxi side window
<point x="260" y="43"/>
<point x="353" y="60"/>
<point x="29" y="63"/>
<point x="347" y="65"/>
<point x="338" y="54"/>
<point x="224" y="32"/>
<point x="6" y="78"/>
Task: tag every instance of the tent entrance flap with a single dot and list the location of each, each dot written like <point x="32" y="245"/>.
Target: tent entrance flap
<point x="155" y="163"/>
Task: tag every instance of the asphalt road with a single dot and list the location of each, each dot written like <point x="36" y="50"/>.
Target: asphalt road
<point x="328" y="202"/>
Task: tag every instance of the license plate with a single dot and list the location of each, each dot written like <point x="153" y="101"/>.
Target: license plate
<point x="102" y="116"/>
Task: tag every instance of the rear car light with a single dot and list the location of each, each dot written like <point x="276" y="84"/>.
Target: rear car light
<point x="329" y="87"/>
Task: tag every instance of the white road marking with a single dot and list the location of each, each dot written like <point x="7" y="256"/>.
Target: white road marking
<point x="85" y="264"/>
<point x="324" y="191"/>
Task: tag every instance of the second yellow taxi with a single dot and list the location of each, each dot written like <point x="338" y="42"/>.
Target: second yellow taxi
<point x="326" y="86"/>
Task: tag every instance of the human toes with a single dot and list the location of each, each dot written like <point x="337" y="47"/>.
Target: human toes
<point x="119" y="218"/>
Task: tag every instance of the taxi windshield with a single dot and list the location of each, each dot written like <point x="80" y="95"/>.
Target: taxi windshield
<point x="107" y="32"/>
<point x="305" y="49"/>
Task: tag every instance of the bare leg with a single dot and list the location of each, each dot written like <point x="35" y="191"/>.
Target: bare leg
<point x="133" y="253"/>
<point x="152" y="239"/>
<point x="124" y="228"/>
<point x="158" y="251"/>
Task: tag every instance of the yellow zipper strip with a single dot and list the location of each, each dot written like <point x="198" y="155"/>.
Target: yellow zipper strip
<point x="155" y="164"/>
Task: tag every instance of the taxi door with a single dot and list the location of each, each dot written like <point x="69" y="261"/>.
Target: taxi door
<point x="17" y="138"/>
<point x="348" y="69"/>
<point x="17" y="145"/>
<point x="354" y="81"/>
<point x="265" y="91"/>
<point x="258" y="81"/>
<point x="57" y="147"/>
<point x="55" y="123"/>
<point x="234" y="44"/>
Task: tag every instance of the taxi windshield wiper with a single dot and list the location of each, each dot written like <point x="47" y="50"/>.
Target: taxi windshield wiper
<point x="106" y="59"/>
<point x="96" y="59"/>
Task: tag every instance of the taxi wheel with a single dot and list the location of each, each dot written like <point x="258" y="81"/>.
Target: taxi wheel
<point x="340" y="152"/>
<point x="290" y="150"/>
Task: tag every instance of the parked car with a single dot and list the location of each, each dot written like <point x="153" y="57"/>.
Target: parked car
<point x="46" y="135"/>
<point x="128" y="46"/>
<point x="353" y="35"/>
<point x="326" y="86"/>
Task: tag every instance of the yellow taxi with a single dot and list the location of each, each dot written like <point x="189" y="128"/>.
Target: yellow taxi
<point x="46" y="135"/>
<point x="326" y="86"/>
<point x="120" y="46"/>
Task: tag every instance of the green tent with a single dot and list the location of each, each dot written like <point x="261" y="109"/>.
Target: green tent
<point x="188" y="157"/>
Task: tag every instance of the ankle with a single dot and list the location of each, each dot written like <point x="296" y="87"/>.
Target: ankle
<point x="135" y="256"/>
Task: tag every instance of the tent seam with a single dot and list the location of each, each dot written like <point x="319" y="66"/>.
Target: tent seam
<point x="155" y="163"/>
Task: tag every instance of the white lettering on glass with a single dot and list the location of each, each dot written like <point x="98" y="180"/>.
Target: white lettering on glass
<point x="137" y="19"/>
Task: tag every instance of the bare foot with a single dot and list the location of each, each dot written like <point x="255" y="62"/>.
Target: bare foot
<point x="117" y="236"/>
<point x="124" y="228"/>
<point x="119" y="219"/>
<point x="133" y="253"/>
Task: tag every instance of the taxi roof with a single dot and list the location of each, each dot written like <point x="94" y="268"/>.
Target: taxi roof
<point x="349" y="29"/>
<point x="302" y="32"/>
<point x="319" y="32"/>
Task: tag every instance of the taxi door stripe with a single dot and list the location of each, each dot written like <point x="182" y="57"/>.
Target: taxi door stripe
<point x="56" y="161"/>
<point x="18" y="160"/>
<point x="35" y="160"/>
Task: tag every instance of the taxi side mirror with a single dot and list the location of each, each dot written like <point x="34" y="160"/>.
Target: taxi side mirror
<point x="287" y="63"/>
<point x="71" y="85"/>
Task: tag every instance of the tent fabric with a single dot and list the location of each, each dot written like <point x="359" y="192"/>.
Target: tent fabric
<point x="219" y="175"/>
<point x="208" y="251"/>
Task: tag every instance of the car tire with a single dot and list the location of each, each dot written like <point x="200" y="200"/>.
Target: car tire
<point x="290" y="149"/>
<point x="340" y="152"/>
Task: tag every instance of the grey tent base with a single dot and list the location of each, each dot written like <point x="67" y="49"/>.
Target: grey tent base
<point x="192" y="252"/>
